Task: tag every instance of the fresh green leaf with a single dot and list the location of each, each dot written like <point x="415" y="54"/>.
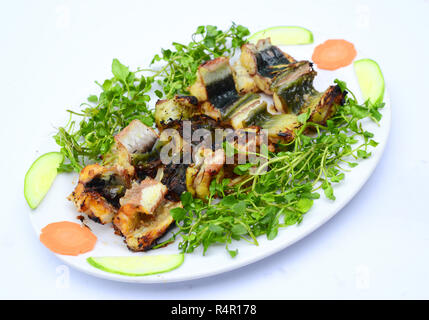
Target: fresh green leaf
<point x="303" y="205"/>
<point x="239" y="229"/>
<point x="186" y="198"/>
<point x="240" y="207"/>
<point x="93" y="98"/>
<point x="119" y="70"/>
<point x="178" y="214"/>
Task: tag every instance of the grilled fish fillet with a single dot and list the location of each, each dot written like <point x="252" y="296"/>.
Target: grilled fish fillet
<point x="145" y="196"/>
<point x="98" y="192"/>
<point x="178" y="108"/>
<point x="142" y="230"/>
<point x="134" y="138"/>
<point x="293" y="86"/>
<point x="244" y="83"/>
<point x="215" y="87"/>
<point x="199" y="175"/>
<point x="324" y="105"/>
<point x="262" y="60"/>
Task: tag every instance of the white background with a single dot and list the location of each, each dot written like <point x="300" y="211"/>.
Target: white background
<point x="376" y="247"/>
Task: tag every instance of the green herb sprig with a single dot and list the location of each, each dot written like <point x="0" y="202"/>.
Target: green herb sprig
<point x="123" y="98"/>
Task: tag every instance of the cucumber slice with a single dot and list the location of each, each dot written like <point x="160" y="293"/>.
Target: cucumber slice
<point x="40" y="176"/>
<point x="137" y="266"/>
<point x="284" y="35"/>
<point x="370" y="80"/>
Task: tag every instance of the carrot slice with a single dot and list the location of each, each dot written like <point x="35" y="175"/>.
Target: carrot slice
<point x="334" y="54"/>
<point x="67" y="238"/>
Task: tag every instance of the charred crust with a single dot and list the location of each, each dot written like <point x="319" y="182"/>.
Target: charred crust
<point x="94" y="218"/>
<point x="116" y="230"/>
<point x="147" y="242"/>
<point x="267" y="58"/>
<point x="209" y="63"/>
<point x="332" y="97"/>
<point x="175" y="180"/>
<point x="97" y="188"/>
<point x="285" y="134"/>
<point x="189" y="99"/>
<point x="148" y="169"/>
<point x="160" y="101"/>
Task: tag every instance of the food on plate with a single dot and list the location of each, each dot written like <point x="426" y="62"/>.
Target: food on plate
<point x="144" y="196"/>
<point x="68" y="238"/>
<point x="141" y="230"/>
<point x="40" y="177"/>
<point x="245" y="109"/>
<point x="215" y="87"/>
<point x="174" y="177"/>
<point x="179" y="108"/>
<point x="334" y="54"/>
<point x="138" y="266"/>
<point x="208" y="164"/>
<point x="263" y="61"/>
<point x="323" y="105"/>
<point x="280" y="127"/>
<point x="99" y="190"/>
<point x="244" y="83"/>
<point x="185" y="173"/>
<point x="136" y="138"/>
<point x="370" y="78"/>
<point x="284" y="35"/>
<point x="293" y="87"/>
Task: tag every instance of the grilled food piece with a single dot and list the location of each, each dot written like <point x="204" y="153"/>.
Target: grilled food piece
<point x="134" y="138"/>
<point x="293" y="86"/>
<point x="323" y="105"/>
<point x="294" y="93"/>
<point x="262" y="61"/>
<point x="244" y="83"/>
<point x="143" y="216"/>
<point x="146" y="164"/>
<point x="100" y="187"/>
<point x="208" y="164"/>
<point x="144" y="196"/>
<point x="215" y="87"/>
<point x="178" y="108"/>
<point x="280" y="127"/>
<point x="198" y="89"/>
<point x="199" y="122"/>
<point x="244" y="109"/>
<point x="249" y="140"/>
<point x="98" y="191"/>
<point x="142" y="230"/>
<point x="174" y="177"/>
<point x="170" y="173"/>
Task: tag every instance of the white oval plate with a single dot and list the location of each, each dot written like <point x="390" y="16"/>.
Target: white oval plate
<point x="55" y="207"/>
